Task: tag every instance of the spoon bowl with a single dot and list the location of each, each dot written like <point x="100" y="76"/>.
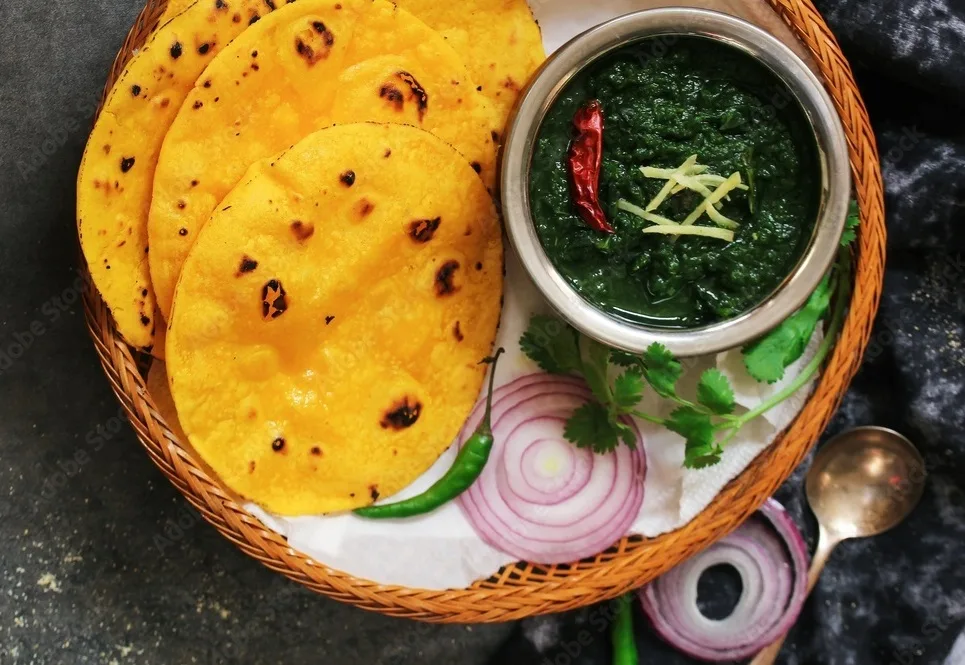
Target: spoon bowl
<point x="865" y="481"/>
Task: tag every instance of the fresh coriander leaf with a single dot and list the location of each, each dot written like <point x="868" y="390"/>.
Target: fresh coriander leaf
<point x="628" y="390"/>
<point x="624" y="359"/>
<point x="692" y="424"/>
<point x="698" y="430"/>
<point x="661" y="370"/>
<point x="552" y="344"/>
<point x="715" y="392"/>
<point x="627" y="433"/>
<point x="768" y="357"/>
<point x="596" y="362"/>
<point x="693" y="460"/>
<point x="851" y="224"/>
<point x="590" y="427"/>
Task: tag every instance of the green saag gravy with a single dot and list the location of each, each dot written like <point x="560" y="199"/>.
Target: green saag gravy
<point x="663" y="100"/>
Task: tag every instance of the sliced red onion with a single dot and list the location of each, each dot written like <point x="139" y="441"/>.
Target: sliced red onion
<point x="541" y="498"/>
<point x="771" y="558"/>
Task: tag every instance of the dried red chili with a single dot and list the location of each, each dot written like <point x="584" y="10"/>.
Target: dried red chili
<point x="583" y="164"/>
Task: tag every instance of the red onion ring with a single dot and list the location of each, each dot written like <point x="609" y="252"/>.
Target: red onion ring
<point x="773" y="565"/>
<point x="540" y="498"/>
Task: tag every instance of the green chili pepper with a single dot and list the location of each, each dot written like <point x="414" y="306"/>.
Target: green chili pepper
<point x="464" y="471"/>
<point x="621" y="633"/>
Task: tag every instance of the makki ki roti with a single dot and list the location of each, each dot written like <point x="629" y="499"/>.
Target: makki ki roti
<point x="117" y="172"/>
<point x="499" y="40"/>
<point x="157" y="388"/>
<point x="173" y="8"/>
<point x="329" y="323"/>
<point x="160" y="392"/>
<point x="308" y="65"/>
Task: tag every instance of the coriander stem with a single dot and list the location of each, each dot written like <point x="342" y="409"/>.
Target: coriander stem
<point x="837" y="318"/>
<point x="729" y="421"/>
<point x="646" y="416"/>
<point x="729" y="436"/>
<point x="697" y="407"/>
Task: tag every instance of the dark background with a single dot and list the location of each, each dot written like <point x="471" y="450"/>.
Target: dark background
<point x="85" y="576"/>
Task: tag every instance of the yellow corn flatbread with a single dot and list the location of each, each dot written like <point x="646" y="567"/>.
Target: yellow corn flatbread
<point x="327" y="333"/>
<point x="157" y="386"/>
<point x="499" y="40"/>
<point x="173" y="8"/>
<point x="308" y="65"/>
<point x="117" y="172"/>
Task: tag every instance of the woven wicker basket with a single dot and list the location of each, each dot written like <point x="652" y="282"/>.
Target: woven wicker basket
<point x="524" y="590"/>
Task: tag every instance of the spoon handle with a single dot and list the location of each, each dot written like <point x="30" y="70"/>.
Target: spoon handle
<point x="768" y="655"/>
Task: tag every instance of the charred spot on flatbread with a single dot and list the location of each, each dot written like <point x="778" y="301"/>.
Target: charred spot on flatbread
<point x="274" y="300"/>
<point x="393" y="96"/>
<point x="127" y="163"/>
<point x="445" y="278"/>
<point x="364" y="208"/>
<point x="420" y="94"/>
<point x="176" y="50"/>
<point x="278" y="445"/>
<point x="302" y="230"/>
<point x="314" y="44"/>
<point x="422" y="230"/>
<point x="347" y="178"/>
<point x="402" y="414"/>
<point x="457" y="332"/>
<point x="374" y="492"/>
<point x="248" y="264"/>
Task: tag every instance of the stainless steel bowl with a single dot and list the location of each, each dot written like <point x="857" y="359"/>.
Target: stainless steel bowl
<point x="803" y="86"/>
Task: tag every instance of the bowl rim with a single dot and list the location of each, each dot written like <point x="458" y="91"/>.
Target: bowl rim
<point x="805" y="89"/>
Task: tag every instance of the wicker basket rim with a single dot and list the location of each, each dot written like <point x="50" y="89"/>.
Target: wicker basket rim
<point x="523" y="590"/>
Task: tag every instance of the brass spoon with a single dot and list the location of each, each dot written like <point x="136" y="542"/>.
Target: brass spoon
<point x="862" y="483"/>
